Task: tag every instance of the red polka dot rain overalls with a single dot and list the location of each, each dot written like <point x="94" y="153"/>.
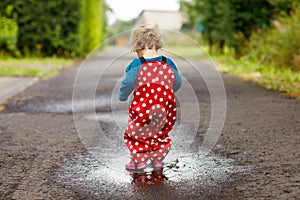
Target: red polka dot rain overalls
<point x="152" y="112"/>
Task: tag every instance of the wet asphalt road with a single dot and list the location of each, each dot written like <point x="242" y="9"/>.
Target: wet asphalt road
<point x="62" y="139"/>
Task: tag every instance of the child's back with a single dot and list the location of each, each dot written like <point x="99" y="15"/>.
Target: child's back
<point x="152" y="110"/>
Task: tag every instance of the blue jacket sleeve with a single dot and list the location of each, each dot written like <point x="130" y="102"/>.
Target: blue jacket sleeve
<point x="128" y="83"/>
<point x="178" y="81"/>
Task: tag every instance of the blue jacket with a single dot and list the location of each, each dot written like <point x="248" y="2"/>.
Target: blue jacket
<point x="128" y="84"/>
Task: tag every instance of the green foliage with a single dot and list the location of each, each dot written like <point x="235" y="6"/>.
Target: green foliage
<point x="42" y="67"/>
<point x="8" y="34"/>
<point x="284" y="80"/>
<point x="46" y="28"/>
<point x="53" y="28"/>
<point x="229" y="22"/>
<point x="120" y="26"/>
<point x="92" y="24"/>
<point x="248" y="16"/>
<point x="187" y="51"/>
<point x="280" y="45"/>
<point x="283" y="7"/>
<point x="191" y="8"/>
<point x="217" y="22"/>
<point x="277" y="79"/>
<point x="12" y="71"/>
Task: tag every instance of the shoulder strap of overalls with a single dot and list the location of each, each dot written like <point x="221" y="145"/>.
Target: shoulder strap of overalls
<point x="142" y="59"/>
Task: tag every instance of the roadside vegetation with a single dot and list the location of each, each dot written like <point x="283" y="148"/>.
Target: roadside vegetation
<point x="255" y="40"/>
<point x="41" y="67"/>
<point x="38" y="38"/>
<point x="280" y="79"/>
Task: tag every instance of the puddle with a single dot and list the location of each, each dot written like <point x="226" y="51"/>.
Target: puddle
<point x="116" y="122"/>
<point x="101" y="174"/>
<point x="119" y="118"/>
<point x="89" y="175"/>
<point x="69" y="106"/>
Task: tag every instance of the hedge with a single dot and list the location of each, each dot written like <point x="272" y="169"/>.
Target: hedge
<point x="52" y="28"/>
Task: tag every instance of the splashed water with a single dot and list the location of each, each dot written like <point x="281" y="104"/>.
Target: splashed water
<point x="101" y="171"/>
<point x="89" y="175"/>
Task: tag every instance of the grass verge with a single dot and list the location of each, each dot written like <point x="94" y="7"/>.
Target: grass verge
<point x="276" y="79"/>
<point x="191" y="52"/>
<point x="41" y="67"/>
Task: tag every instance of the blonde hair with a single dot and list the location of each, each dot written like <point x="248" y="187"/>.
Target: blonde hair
<point x="145" y="37"/>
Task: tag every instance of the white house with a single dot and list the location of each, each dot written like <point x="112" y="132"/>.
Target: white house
<point x="160" y="19"/>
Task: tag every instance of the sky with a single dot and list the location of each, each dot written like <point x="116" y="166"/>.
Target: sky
<point x="129" y="9"/>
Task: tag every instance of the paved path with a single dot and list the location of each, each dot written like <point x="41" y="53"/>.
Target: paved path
<point x="10" y="86"/>
<point x="48" y="153"/>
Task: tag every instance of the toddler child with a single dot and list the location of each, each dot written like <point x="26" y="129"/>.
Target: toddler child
<point x="153" y="79"/>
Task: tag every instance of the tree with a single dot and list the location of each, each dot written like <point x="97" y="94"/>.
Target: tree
<point x="8" y="32"/>
<point x="248" y="16"/>
<point x="217" y="22"/>
<point x="91" y="24"/>
<point x="279" y="46"/>
<point x="46" y="28"/>
<point x="120" y="26"/>
<point x="62" y="28"/>
<point x="229" y="22"/>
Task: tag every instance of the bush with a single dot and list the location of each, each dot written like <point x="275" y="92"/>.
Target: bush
<point x="280" y="45"/>
<point x="65" y="28"/>
<point x="8" y="34"/>
<point x="92" y="17"/>
<point x="46" y="28"/>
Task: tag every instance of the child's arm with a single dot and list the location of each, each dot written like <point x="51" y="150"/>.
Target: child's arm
<point x="178" y="81"/>
<point x="128" y="83"/>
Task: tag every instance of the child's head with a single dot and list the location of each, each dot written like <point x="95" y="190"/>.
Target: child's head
<point x="145" y="37"/>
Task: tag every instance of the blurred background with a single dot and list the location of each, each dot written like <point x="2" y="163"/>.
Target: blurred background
<point x="257" y="40"/>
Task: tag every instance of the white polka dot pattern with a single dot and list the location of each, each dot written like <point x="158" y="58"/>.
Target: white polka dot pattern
<point x="152" y="113"/>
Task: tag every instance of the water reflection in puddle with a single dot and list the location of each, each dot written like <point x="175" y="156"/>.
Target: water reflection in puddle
<point x="116" y="123"/>
<point x="68" y="106"/>
<point x="101" y="173"/>
<point x="89" y="174"/>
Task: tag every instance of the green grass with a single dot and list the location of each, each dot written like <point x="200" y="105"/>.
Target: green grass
<point x="190" y="52"/>
<point x="12" y="71"/>
<point x="277" y="79"/>
<point x="41" y="67"/>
